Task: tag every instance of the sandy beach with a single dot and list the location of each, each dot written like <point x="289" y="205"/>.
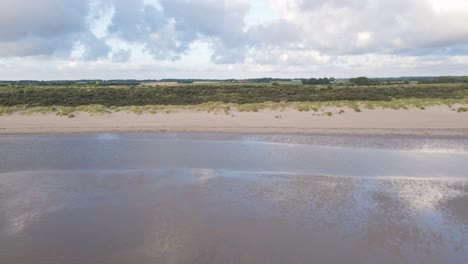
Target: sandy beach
<point x="433" y="121"/>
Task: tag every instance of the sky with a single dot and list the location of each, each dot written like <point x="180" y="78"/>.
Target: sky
<point x="155" y="39"/>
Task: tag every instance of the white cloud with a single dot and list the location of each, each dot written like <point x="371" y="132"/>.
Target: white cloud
<point x="277" y="37"/>
<point x="363" y="39"/>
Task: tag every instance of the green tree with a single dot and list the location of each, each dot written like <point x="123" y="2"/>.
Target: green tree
<point x="320" y="81"/>
<point x="361" y="81"/>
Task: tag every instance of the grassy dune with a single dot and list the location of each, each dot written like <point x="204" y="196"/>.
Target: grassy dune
<point x="223" y="98"/>
<point x="228" y="108"/>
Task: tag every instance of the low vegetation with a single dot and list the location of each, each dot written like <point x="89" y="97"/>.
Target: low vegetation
<point x="225" y="98"/>
<point x="73" y="96"/>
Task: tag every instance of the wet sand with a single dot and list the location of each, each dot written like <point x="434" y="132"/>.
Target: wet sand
<point x="195" y="198"/>
<point x="433" y="121"/>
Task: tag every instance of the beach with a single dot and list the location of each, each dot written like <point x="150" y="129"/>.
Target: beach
<point x="253" y="132"/>
<point x="432" y="121"/>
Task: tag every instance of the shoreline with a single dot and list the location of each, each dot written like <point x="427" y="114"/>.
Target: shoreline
<point x="419" y="133"/>
<point x="435" y="121"/>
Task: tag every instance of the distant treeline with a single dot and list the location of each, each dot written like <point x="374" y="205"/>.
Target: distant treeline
<point x="444" y="79"/>
<point x="257" y="80"/>
<point x="312" y="81"/>
<point x="364" y="81"/>
<point x="425" y="80"/>
<point x="197" y="94"/>
<point x="320" y="81"/>
<point x="69" y="82"/>
<point x="267" y="80"/>
<point x="133" y="81"/>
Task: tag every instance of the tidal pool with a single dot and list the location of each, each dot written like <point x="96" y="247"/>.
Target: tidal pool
<point x="220" y="198"/>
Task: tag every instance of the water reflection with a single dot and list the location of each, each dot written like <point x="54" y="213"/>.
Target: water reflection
<point x="185" y="200"/>
<point x="79" y="152"/>
<point x="206" y="215"/>
<point x="108" y="136"/>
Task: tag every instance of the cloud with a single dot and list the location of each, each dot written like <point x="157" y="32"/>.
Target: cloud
<point x="224" y="55"/>
<point x="168" y="30"/>
<point x="46" y="27"/>
<point x="344" y="27"/>
<point x="275" y="34"/>
<point x="121" y="56"/>
<point x="300" y="33"/>
<point x="41" y="18"/>
<point x="95" y="48"/>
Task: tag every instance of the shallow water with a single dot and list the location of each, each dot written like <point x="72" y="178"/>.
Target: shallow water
<point x="208" y="198"/>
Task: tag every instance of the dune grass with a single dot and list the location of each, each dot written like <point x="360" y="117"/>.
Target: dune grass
<point x="458" y="105"/>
